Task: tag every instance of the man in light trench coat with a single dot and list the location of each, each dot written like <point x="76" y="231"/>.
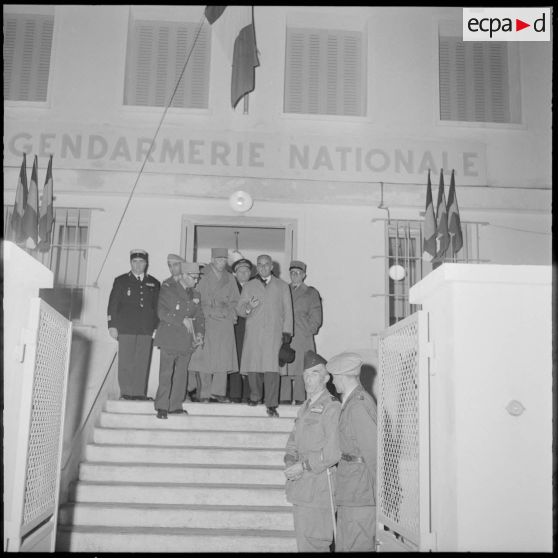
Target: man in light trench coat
<point x="266" y="304"/>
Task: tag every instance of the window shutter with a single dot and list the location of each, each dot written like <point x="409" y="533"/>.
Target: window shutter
<point x="157" y="52"/>
<point x="27" y="49"/>
<point x="474" y="81"/>
<point x="323" y="73"/>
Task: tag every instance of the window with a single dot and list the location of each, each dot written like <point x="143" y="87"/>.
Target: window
<point x="27" y="48"/>
<point x="405" y="250"/>
<point x="157" y="52"/>
<point x="67" y="257"/>
<point x="477" y="81"/>
<point x="324" y="72"/>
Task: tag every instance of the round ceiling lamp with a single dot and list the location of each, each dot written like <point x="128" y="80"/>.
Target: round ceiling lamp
<point x="241" y="201"/>
<point x="397" y="272"/>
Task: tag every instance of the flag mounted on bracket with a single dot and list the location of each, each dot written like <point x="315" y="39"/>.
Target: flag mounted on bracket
<point x="442" y="234"/>
<point x="46" y="213"/>
<point x="20" y="203"/>
<point x="454" y="221"/>
<point x="234" y="29"/>
<point x="429" y="232"/>
<point x="30" y="222"/>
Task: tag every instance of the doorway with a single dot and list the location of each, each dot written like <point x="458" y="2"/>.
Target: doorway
<point x="251" y="236"/>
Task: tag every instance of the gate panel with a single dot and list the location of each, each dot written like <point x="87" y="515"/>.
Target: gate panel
<point x="403" y="486"/>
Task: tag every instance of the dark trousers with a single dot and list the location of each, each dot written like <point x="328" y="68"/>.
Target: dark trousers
<point x="270" y="383"/>
<point x="134" y="358"/>
<point x="238" y="386"/>
<point x="173" y="377"/>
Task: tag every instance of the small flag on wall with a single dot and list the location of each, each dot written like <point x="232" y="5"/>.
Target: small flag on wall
<point x="442" y="234"/>
<point x="31" y="215"/>
<point x="234" y="28"/>
<point x="429" y="234"/>
<point x="16" y="221"/>
<point x="454" y="221"/>
<point x="46" y="214"/>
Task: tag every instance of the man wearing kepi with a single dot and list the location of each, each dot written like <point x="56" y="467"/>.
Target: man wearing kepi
<point x="132" y="319"/>
<point x="355" y="493"/>
<point x="312" y="448"/>
<point x="180" y="330"/>
<point x="307" y="308"/>
<point x="217" y="357"/>
<point x="266" y="304"/>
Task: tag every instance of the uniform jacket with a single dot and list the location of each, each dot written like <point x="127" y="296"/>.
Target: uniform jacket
<point x="132" y="307"/>
<point x="239" y="329"/>
<point x="356" y="482"/>
<point x="315" y="438"/>
<point x="175" y="304"/>
<point x="219" y="297"/>
<point x="265" y="323"/>
<point x="307" y="308"/>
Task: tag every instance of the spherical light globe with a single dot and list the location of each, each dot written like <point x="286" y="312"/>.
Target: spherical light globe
<point x="397" y="272"/>
<point x="241" y="201"/>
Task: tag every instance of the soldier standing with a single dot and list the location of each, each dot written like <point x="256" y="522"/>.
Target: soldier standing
<point x="355" y="493"/>
<point x="312" y="448"/>
<point x="181" y="329"/>
<point x="132" y="319"/>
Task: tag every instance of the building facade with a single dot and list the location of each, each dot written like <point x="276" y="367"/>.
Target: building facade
<point x="352" y="107"/>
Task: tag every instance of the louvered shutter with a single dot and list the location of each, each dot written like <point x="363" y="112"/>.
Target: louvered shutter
<point x="157" y="52"/>
<point x="324" y="72"/>
<point x="27" y="50"/>
<point x="474" y="81"/>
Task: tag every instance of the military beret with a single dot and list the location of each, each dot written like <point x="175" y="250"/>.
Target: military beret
<point x="296" y="264"/>
<point x="175" y="258"/>
<point x="242" y="263"/>
<point x="138" y="253"/>
<point x="219" y="253"/>
<point x="190" y="267"/>
<point x="312" y="359"/>
<point x="346" y="364"/>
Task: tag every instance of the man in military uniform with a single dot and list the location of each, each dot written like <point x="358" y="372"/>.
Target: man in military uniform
<point x="239" y="390"/>
<point x="180" y="330"/>
<point x="132" y="319"/>
<point x="307" y="309"/>
<point x="355" y="493"/>
<point x="312" y="448"/>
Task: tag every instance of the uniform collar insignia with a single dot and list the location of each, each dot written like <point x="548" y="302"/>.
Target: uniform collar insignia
<point x="317" y="408"/>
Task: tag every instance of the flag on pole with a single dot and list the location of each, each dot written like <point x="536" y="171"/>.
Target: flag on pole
<point x="46" y="214"/>
<point x="30" y="217"/>
<point x="429" y="233"/>
<point x="234" y="28"/>
<point x="19" y="204"/>
<point x="454" y="221"/>
<point x="442" y="234"/>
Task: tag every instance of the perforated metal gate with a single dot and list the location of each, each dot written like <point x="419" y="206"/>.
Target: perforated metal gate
<point x="403" y="429"/>
<point x="47" y="351"/>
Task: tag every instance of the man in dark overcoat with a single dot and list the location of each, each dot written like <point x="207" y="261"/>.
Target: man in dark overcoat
<point x="239" y="391"/>
<point x="180" y="330"/>
<point x="355" y="492"/>
<point x="307" y="308"/>
<point x="132" y="319"/>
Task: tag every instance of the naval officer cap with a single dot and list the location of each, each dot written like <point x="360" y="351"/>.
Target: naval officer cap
<point x="312" y="359"/>
<point x="344" y="364"/>
<point x="297" y="264"/>
<point x="242" y="263"/>
<point x="172" y="258"/>
<point x="190" y="267"/>
<point x="219" y="253"/>
<point x="138" y="253"/>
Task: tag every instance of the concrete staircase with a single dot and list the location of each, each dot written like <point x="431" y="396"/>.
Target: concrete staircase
<point x="210" y="481"/>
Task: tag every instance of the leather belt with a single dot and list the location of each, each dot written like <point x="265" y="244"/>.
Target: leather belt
<point x="352" y="458"/>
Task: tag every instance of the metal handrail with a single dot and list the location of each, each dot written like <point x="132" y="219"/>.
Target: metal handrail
<point x="86" y="420"/>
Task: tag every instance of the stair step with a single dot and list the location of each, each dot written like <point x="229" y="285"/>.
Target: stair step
<point x="221" y="438"/>
<point x="176" y="516"/>
<point x="213" y="409"/>
<point x="183" y="454"/>
<point x="142" y="539"/>
<point x="185" y="473"/>
<point x="179" y="493"/>
<point x="196" y="422"/>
